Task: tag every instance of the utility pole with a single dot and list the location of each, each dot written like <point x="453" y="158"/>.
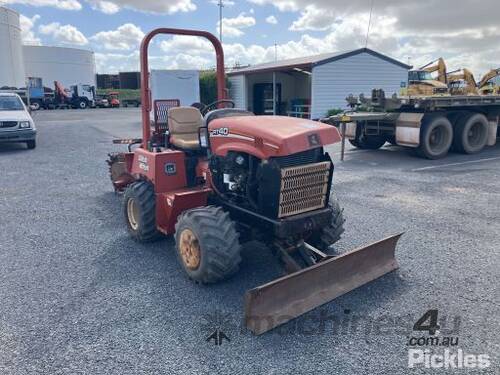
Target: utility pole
<point x="274" y="79"/>
<point x="220" y="4"/>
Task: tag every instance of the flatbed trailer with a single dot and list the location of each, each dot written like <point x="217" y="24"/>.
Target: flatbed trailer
<point x="431" y="125"/>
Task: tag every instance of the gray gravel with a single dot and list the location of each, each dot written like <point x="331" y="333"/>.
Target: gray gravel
<point x="78" y="296"/>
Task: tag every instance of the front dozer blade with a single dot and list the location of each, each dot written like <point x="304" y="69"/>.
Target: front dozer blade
<point x="285" y="298"/>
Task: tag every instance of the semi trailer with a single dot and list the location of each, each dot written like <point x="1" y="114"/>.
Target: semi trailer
<point x="432" y="125"/>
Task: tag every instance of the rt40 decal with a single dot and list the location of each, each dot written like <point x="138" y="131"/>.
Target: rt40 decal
<point x="219" y="131"/>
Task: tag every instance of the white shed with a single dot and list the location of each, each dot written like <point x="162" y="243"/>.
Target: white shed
<point x="310" y="86"/>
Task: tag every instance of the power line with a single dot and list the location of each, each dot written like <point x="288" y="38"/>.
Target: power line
<point x="369" y="23"/>
<point x="220" y="4"/>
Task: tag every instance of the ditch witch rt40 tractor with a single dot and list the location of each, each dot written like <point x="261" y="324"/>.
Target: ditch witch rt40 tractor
<point x="218" y="177"/>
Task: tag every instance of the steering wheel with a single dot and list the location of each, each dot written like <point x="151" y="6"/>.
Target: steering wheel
<point x="227" y="103"/>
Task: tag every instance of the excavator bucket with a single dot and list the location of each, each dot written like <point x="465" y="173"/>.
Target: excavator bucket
<point x="285" y="298"/>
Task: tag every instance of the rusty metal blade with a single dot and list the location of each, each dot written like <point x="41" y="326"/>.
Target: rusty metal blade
<point x="285" y="298"/>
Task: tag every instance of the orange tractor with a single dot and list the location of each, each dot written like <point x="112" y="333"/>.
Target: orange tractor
<point x="215" y="177"/>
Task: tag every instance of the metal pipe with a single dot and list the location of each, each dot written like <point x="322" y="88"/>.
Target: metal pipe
<point x="146" y="91"/>
<point x="342" y="131"/>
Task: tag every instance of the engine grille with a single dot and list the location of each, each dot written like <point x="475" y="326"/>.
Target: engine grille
<point x="300" y="158"/>
<point x="8" y="124"/>
<point x="303" y="188"/>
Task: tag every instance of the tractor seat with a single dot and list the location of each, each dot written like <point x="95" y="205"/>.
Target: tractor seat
<point x="183" y="125"/>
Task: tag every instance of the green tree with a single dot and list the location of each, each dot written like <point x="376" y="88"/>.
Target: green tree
<point x="208" y="86"/>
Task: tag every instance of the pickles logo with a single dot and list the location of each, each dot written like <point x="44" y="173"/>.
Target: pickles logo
<point x="448" y="359"/>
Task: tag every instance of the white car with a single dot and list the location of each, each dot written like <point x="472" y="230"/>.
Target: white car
<point x="16" y="124"/>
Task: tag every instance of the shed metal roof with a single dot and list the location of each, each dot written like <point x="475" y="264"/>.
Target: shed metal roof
<point x="310" y="61"/>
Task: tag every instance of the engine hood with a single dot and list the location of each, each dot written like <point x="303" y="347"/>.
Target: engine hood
<point x="267" y="136"/>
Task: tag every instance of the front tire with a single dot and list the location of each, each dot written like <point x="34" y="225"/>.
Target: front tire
<point x="327" y="236"/>
<point x="139" y="208"/>
<point x="207" y="244"/>
<point x="82" y="104"/>
<point x="31" y="144"/>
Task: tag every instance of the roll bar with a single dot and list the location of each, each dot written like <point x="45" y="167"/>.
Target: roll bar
<point x="146" y="91"/>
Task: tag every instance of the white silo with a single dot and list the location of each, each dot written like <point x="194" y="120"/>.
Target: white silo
<point x="11" y="51"/>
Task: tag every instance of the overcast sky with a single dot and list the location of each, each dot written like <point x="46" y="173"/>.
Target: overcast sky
<point x="466" y="32"/>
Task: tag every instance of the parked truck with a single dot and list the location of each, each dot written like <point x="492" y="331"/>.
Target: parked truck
<point x="431" y="125"/>
<point x="77" y="96"/>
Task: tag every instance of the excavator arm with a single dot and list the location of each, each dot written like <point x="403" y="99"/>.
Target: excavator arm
<point x="488" y="87"/>
<point x="488" y="76"/>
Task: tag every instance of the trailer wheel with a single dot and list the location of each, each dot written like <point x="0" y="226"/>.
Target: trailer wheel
<point x="368" y="142"/>
<point x="327" y="236"/>
<point x="139" y="208"/>
<point x="471" y="133"/>
<point x="392" y="140"/>
<point x="436" y="135"/>
<point x="207" y="244"/>
<point x="82" y="104"/>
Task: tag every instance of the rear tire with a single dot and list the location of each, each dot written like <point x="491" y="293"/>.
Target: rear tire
<point x="207" y="244"/>
<point x="327" y="236"/>
<point x="436" y="136"/>
<point x="31" y="144"/>
<point x="471" y="133"/>
<point x="139" y="208"/>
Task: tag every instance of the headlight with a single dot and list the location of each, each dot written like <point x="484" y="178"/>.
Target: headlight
<point x="24" y="124"/>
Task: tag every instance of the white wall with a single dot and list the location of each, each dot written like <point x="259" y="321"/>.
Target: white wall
<point x="333" y="82"/>
<point x="176" y="84"/>
<point x="11" y="53"/>
<point x="238" y="91"/>
<point x="69" y="66"/>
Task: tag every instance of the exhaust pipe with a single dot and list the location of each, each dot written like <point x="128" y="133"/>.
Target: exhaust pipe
<point x="290" y="296"/>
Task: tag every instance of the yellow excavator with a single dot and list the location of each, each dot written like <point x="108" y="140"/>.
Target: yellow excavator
<point x="422" y="83"/>
<point x="487" y="85"/>
<point x="462" y="82"/>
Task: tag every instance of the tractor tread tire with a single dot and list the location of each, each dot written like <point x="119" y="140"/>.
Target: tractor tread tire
<point x="332" y="233"/>
<point x="219" y="243"/>
<point x="143" y="193"/>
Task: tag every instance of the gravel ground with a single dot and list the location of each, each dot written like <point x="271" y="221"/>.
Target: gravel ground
<point x="78" y="296"/>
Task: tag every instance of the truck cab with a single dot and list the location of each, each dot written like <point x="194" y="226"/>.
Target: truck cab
<point x="421" y="82"/>
<point x="83" y="95"/>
